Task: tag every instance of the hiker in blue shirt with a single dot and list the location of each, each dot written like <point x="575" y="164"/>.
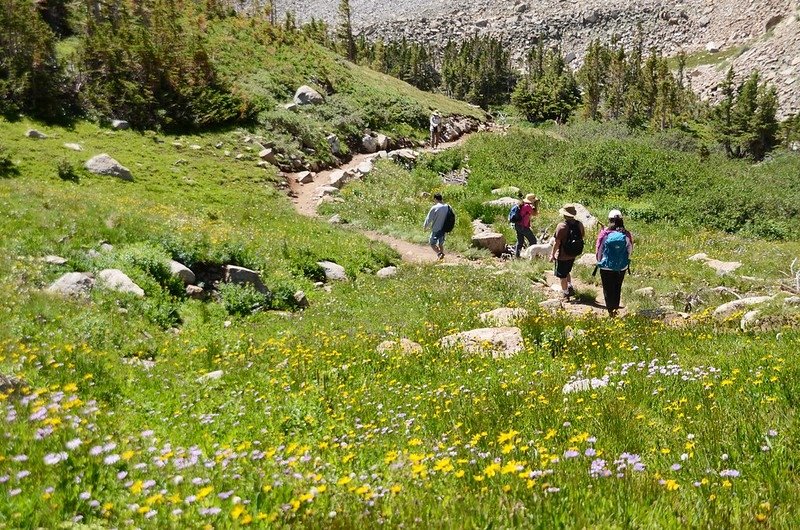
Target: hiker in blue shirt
<point x="613" y="253"/>
<point x="436" y="221"/>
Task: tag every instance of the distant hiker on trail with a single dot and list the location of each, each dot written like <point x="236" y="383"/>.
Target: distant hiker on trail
<point x="520" y="216"/>
<point x="613" y="253"/>
<point x="441" y="220"/>
<point x="568" y="245"/>
<point x="436" y="128"/>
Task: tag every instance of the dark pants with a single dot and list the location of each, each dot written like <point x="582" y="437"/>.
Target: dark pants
<point x="523" y="233"/>
<point x="612" y="287"/>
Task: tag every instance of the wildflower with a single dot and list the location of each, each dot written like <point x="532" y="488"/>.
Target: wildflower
<point x="571" y="453"/>
<point x="507" y="436"/>
<point x="111" y="459"/>
<point x="22" y="474"/>
<point x="52" y="459"/>
<point x="73" y="444"/>
<point x="732" y="473"/>
<point x="675" y="467"/>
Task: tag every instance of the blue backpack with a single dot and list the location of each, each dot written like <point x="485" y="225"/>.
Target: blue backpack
<point x="615" y="252"/>
<point x="515" y="215"/>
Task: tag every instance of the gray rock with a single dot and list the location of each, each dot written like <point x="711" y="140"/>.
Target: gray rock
<point x="105" y="165"/>
<point x="383" y="142"/>
<point x="324" y="191"/>
<point x="792" y="301"/>
<point x="698" y="257"/>
<point x="723" y="267"/>
<point x="387" y="272"/>
<point x="333" y="144"/>
<point x="749" y="319"/>
<point x="339" y="178"/>
<point x="726" y="310"/>
<point x="73" y="147"/>
<point x="116" y="280"/>
<point x="554" y="304"/>
<point x="268" y="155"/>
<point x="504" y="316"/>
<point x="195" y="147"/>
<point x="304" y="177"/>
<point x="291" y="107"/>
<point x="54" y="260"/>
<point x="106" y="247"/>
<point x="195" y="292"/>
<point x="72" y="284"/>
<point x="333" y="271"/>
<point x="36" y="135"/>
<point x="211" y="376"/>
<point x="712" y="47"/>
<point x="365" y="168"/>
<point x="335" y="219"/>
<point x="587" y="260"/>
<point x="120" y="125"/>
<point x="301" y="300"/>
<point x="503" y="202"/>
<point x="369" y="144"/>
<point x="647" y="292"/>
<point x="501" y="342"/>
<point x="494" y="242"/>
<point x="243" y="276"/>
<point x="403" y="156"/>
<point x="506" y="190"/>
<point x="403" y="345"/>
<point x="181" y="271"/>
<point x="306" y="95"/>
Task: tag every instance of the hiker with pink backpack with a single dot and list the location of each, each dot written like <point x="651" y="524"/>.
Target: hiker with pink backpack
<point x="613" y="253"/>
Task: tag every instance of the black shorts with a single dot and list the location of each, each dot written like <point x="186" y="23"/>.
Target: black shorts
<point x="563" y="268"/>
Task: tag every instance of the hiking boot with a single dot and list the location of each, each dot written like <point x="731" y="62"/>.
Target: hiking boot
<point x="570" y="291"/>
<point x="440" y="255"/>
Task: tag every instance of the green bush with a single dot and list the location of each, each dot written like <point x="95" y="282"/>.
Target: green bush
<point x="66" y="171"/>
<point x="242" y="299"/>
<point x="149" y="260"/>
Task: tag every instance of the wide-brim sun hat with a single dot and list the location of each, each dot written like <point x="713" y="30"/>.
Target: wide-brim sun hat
<point x="531" y="198"/>
<point x="615" y="214"/>
<point x="568" y="211"/>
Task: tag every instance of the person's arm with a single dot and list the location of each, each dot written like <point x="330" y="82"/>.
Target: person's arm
<point x="629" y="241"/>
<point x="598" y="250"/>
<point x="427" y="219"/>
<point x="556" y="243"/>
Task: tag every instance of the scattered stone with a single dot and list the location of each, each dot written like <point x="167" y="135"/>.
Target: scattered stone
<point x="365" y="167"/>
<point x="383" y="142"/>
<point x="792" y="300"/>
<point x="698" y="257"/>
<point x="291" y="107"/>
<point x="304" y="177"/>
<point x="582" y="385"/>
<point x="74" y="147"/>
<point x="712" y="47"/>
<point x="749" y="319"/>
<point x="195" y="292"/>
<point x="726" y="310"/>
<point x="243" y="276"/>
<point x="387" y="272"/>
<point x="402" y="346"/>
<point x="584" y="216"/>
<point x="504" y="316"/>
<point x="36" y="135"/>
<point x="554" y="304"/>
<point x="211" y="376"/>
<point x="335" y="219"/>
<point x="120" y="125"/>
<point x="195" y="147"/>
<point x="339" y="178"/>
<point x="72" y="284"/>
<point x="723" y="267"/>
<point x="646" y="292"/>
<point x="54" y="260"/>
<point x="503" y="202"/>
<point x="507" y="190"/>
<point x="106" y="247"/>
<point x="117" y="280"/>
<point x="268" y="155"/>
<point x="407" y="157"/>
<point x="501" y="342"/>
<point x="333" y="144"/>
<point x="105" y="165"/>
<point x="587" y="260"/>
<point x="306" y="95"/>
<point x="494" y="242"/>
<point x="324" y="191"/>
<point x="301" y="300"/>
<point x="333" y="271"/>
<point x="181" y="271"/>
<point x="369" y="144"/>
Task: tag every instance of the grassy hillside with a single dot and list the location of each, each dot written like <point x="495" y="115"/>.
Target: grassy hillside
<point x="308" y="424"/>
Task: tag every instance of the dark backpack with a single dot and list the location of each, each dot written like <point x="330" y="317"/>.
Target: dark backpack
<point x="449" y="221"/>
<point x="515" y="215"/>
<point x="573" y="246"/>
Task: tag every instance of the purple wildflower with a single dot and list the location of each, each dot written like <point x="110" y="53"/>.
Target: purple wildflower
<point x="732" y="473"/>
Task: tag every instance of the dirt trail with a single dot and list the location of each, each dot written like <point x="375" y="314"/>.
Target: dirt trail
<point x="305" y="202"/>
<point x="579" y="305"/>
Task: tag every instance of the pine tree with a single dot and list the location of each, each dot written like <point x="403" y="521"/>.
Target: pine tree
<point x="344" y="32"/>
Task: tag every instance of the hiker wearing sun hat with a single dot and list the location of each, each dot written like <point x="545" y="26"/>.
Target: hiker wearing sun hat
<point x="568" y="245"/>
<point x="521" y="218"/>
<point x="613" y="252"/>
<point x="435" y="126"/>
